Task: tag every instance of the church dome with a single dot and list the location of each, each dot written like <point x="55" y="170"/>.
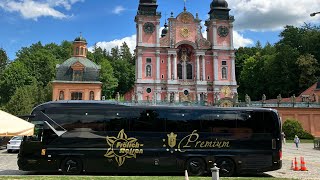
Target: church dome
<point x="90" y="72"/>
<point x="165" y="30"/>
<point x="219" y="4"/>
<point x="80" y="38"/>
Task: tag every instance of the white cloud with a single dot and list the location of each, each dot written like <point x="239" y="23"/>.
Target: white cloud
<point x="32" y="9"/>
<point x="131" y="42"/>
<point x="240" y="41"/>
<point x="258" y="15"/>
<point x="65" y="3"/>
<point x="118" y="10"/>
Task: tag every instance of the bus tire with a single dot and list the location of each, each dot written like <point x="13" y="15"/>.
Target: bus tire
<point x="196" y="166"/>
<point x="226" y="167"/>
<point x="71" y="166"/>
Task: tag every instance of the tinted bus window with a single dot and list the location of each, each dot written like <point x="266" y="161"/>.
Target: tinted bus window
<point x="271" y="122"/>
<point x="118" y="118"/>
<point x="181" y="121"/>
<point x="252" y="120"/>
<point x="218" y="121"/>
<point x="147" y="121"/>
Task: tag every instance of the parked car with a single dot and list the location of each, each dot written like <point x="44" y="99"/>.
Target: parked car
<point x="14" y="144"/>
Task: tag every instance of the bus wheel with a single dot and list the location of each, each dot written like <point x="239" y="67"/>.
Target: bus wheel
<point x="226" y="165"/>
<point x="71" y="166"/>
<point x="196" y="166"/>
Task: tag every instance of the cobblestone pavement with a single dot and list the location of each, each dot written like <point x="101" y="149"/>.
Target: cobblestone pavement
<point x="8" y="163"/>
<point x="311" y="157"/>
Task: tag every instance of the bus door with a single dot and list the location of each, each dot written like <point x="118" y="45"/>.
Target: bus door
<point x="34" y="147"/>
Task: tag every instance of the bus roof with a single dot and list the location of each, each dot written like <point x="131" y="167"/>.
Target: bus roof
<point x="82" y="103"/>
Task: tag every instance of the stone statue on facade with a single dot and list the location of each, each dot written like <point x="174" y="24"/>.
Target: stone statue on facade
<point x="216" y="97"/>
<point x="235" y="98"/>
<point x="132" y="97"/>
<point x="171" y="97"/>
<point x="279" y="98"/>
<point x="118" y="96"/>
<point x="136" y="97"/>
<point x="247" y="99"/>
<point x="293" y="99"/>
<point x="264" y="98"/>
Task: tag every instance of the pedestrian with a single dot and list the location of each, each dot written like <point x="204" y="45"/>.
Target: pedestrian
<point x="283" y="136"/>
<point x="296" y="140"/>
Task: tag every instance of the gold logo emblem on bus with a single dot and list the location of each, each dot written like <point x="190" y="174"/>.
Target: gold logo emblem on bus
<point x="172" y="139"/>
<point x="122" y="147"/>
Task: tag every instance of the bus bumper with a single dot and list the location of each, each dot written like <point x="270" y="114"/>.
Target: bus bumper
<point x="26" y="164"/>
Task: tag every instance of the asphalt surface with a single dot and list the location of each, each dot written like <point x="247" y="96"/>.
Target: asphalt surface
<point x="8" y="163"/>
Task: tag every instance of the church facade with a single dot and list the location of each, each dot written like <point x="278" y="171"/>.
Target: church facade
<point x="180" y="65"/>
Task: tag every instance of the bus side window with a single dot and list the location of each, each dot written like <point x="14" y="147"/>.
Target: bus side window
<point x="117" y="120"/>
<point x="181" y="121"/>
<point x="271" y="122"/>
<point x="147" y="121"/>
<point x="252" y="120"/>
<point x="218" y="121"/>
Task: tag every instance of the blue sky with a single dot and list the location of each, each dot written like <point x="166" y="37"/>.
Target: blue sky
<point x="109" y="23"/>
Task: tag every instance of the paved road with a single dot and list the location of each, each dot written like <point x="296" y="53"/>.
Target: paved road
<point x="8" y="163"/>
<point x="311" y="157"/>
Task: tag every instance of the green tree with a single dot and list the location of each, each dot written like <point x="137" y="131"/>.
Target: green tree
<point x="109" y="82"/>
<point x="308" y="67"/>
<point x="242" y="54"/>
<point x="282" y="71"/>
<point x="4" y="60"/>
<point x="13" y="77"/>
<point x="252" y="77"/>
<point x="126" y="54"/>
<point x="39" y="62"/>
<point x="23" y="100"/>
<point x="125" y="73"/>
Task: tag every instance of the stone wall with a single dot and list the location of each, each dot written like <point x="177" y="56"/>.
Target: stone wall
<point x="308" y="117"/>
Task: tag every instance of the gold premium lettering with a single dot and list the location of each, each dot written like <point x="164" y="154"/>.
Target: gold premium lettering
<point x="191" y="141"/>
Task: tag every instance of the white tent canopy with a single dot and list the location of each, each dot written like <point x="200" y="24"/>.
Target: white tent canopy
<point x="11" y="125"/>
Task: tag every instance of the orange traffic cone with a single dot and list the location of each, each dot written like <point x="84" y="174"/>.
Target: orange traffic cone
<point x="186" y="177"/>
<point x="296" y="168"/>
<point x="303" y="165"/>
<point x="292" y="165"/>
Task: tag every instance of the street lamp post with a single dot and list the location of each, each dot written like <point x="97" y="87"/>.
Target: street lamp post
<point x="313" y="14"/>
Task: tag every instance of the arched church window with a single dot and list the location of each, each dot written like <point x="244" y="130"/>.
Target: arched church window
<point x="77" y="51"/>
<point x="179" y="69"/>
<point x="91" y="97"/>
<point x="189" y="71"/>
<point x="224" y="73"/>
<point x="148" y="71"/>
<point x="81" y="51"/>
<point x="61" y="95"/>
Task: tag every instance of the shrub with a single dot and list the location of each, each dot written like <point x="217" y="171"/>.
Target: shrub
<point x="292" y="127"/>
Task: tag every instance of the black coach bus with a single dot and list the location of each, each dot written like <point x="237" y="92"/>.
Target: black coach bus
<point x="93" y="136"/>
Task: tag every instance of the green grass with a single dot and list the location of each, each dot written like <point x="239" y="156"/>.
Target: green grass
<point x="129" y="178"/>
